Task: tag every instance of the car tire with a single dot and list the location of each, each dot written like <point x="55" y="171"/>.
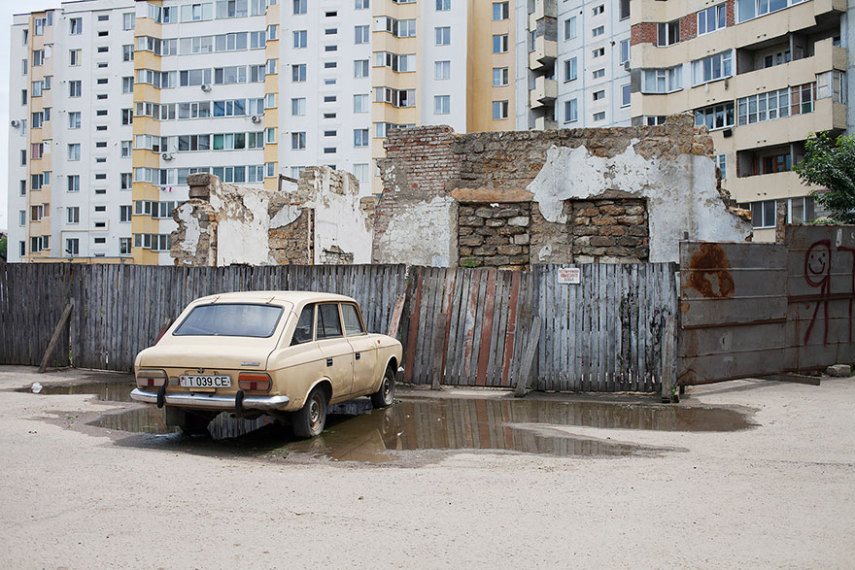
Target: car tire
<point x="312" y="417"/>
<point x="385" y="396"/>
<point x="190" y="422"/>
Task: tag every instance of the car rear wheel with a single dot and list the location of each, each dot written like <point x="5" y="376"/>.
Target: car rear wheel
<point x="190" y="422"/>
<point x="385" y="396"/>
<point x="312" y="417"/>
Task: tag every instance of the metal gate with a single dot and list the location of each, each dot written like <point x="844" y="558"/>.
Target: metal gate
<point x="752" y="309"/>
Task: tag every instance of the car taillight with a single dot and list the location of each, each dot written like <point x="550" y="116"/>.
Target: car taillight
<point x="254" y="381"/>
<point x="151" y="378"/>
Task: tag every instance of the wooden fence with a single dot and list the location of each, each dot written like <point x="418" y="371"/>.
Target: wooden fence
<point x="613" y="331"/>
<point x="461" y="327"/>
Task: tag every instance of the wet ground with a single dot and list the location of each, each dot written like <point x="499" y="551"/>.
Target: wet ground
<point x="418" y="427"/>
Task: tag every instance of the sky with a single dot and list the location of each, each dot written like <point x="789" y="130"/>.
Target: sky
<point x="7" y="8"/>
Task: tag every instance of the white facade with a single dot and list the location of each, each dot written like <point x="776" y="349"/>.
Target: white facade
<point x="590" y="68"/>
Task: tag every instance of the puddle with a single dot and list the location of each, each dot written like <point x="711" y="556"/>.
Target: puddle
<point x="119" y="391"/>
<point x="418" y="427"/>
<point x="434" y="426"/>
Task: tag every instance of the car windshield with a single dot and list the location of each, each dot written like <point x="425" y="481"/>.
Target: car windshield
<point x="230" y="320"/>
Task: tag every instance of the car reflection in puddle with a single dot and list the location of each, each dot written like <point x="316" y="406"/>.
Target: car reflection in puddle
<point x="356" y="432"/>
<point x="440" y="425"/>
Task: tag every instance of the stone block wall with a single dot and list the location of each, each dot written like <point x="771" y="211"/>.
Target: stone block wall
<point x="493" y="235"/>
<point x="293" y="244"/>
<point x="609" y="230"/>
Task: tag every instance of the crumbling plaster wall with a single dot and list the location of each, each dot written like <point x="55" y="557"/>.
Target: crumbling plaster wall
<point x="318" y="219"/>
<point x="670" y="167"/>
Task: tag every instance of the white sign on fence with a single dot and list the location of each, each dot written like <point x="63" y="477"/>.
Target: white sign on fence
<point x="569" y="275"/>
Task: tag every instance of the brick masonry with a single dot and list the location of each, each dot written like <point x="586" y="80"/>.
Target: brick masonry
<point x="493" y="235"/>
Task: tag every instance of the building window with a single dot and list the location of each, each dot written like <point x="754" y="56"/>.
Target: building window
<point x="668" y="33"/>
<point x="125" y="213"/>
<point x="361" y="34"/>
<point x="715" y="116"/>
<point x="624" y="51"/>
<point x="598" y="31"/>
<point x="712" y="19"/>
<point x="127" y="52"/>
<point x="599" y="95"/>
<point x="443" y="35"/>
<point x="442" y="70"/>
<point x="301" y="38"/>
<point x="74" y="151"/>
<point x="601" y="116"/>
<point x="500" y="11"/>
<point x="75" y="88"/>
<point x="442" y="104"/>
<point x="38" y="57"/>
<point x="127" y="84"/>
<point x="570" y="69"/>
<point x="721" y="163"/>
<point x="75" y="26"/>
<point x="500" y="110"/>
<point x="625" y="92"/>
<point x="712" y="68"/>
<point x="298" y="141"/>
<point x="298" y="107"/>
<point x="748" y="9"/>
<point x="360" y="68"/>
<point x="126" y="147"/>
<point x="127" y="116"/>
<point x="570" y="28"/>
<point x="571" y="111"/>
<point x="662" y="80"/>
<point x="300" y="6"/>
<point x="500" y="43"/>
<point x="360" y="138"/>
<point x="763" y="214"/>
<point x="599" y="73"/>
<point x="298" y="73"/>
<point x="624" y="9"/>
<point x="443" y="5"/>
<point x="599" y="52"/>
<point x="361" y="5"/>
<point x="128" y="21"/>
<point x="72" y="246"/>
<point x="500" y="76"/>
<point x="776" y="104"/>
<point x="597" y="10"/>
<point x="73" y="183"/>
<point x="360" y="103"/>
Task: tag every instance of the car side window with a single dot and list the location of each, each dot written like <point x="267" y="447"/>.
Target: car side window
<point x="352" y="322"/>
<point x="329" y="323"/>
<point x="303" y="332"/>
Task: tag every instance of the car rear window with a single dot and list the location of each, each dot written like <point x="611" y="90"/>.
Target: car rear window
<point x="230" y="319"/>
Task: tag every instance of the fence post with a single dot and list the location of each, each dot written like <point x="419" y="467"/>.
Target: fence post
<point x="668" y="380"/>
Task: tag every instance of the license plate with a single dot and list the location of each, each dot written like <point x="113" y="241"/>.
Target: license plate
<point x="205" y="381"/>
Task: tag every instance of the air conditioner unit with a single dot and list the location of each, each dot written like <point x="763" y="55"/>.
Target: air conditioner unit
<point x="166" y="156"/>
<point x="15" y="123"/>
<point x="626" y="65"/>
<point x="256" y="118"/>
<point x="205" y="87"/>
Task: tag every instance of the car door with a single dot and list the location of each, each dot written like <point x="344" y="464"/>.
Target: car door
<point x="336" y="350"/>
<point x="364" y="348"/>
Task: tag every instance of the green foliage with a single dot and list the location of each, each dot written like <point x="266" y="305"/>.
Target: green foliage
<point x="830" y="163"/>
<point x="3" y="247"/>
<point x="470" y="262"/>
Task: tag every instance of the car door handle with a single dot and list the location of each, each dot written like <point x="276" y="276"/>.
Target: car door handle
<point x="329" y="361"/>
<point x="356" y="356"/>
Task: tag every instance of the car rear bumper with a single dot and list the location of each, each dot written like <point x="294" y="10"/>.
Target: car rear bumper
<point x="211" y="401"/>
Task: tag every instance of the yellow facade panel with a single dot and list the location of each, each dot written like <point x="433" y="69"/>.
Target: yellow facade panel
<point x="146" y="60"/>
<point x="147" y="27"/>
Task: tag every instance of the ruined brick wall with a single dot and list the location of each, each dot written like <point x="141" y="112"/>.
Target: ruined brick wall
<point x="666" y="170"/>
<point x="493" y="235"/>
<point x="293" y="244"/>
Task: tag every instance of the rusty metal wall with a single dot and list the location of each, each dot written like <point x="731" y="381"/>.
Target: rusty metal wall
<point x="754" y="309"/>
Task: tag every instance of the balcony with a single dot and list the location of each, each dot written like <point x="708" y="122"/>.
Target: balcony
<point x="544" y="93"/>
<point x="543" y="55"/>
<point x="826" y="116"/>
<point x="542" y="9"/>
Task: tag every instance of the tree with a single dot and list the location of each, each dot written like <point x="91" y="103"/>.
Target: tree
<point x="830" y="163"/>
<point x="3" y="247"/>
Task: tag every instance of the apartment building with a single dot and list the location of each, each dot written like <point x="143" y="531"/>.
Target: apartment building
<point x="245" y="89"/>
<point x="70" y="134"/>
<point x="760" y="74"/>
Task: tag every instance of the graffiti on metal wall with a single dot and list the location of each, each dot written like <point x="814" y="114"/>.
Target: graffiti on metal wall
<point x="817" y="274"/>
<point x="711" y="272"/>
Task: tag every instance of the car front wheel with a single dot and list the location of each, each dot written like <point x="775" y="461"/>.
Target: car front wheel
<point x="312" y="417"/>
<point x="385" y="396"/>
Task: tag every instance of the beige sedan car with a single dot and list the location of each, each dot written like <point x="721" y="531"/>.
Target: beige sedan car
<point x="289" y="354"/>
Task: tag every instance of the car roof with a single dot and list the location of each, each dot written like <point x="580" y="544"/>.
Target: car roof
<point x="295" y="297"/>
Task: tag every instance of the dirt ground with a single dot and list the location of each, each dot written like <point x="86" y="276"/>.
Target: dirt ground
<point x="781" y="494"/>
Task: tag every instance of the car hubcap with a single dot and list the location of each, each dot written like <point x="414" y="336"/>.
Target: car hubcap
<point x="315" y="413"/>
